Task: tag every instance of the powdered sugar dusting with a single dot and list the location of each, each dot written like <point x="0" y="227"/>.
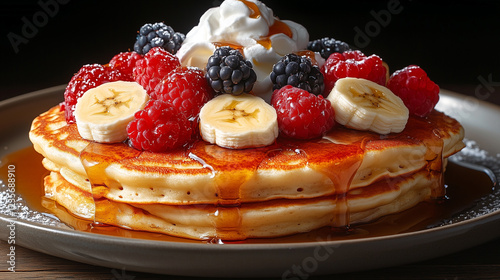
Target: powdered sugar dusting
<point x="13" y="205"/>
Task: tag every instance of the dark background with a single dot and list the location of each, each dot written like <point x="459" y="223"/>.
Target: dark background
<point x="456" y="42"/>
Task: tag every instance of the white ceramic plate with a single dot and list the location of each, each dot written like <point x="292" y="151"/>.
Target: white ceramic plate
<point x="480" y="119"/>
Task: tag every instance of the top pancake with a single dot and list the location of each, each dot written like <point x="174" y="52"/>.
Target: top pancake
<point x="207" y="174"/>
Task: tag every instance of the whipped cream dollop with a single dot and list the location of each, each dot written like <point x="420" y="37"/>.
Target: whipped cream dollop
<point x="250" y="26"/>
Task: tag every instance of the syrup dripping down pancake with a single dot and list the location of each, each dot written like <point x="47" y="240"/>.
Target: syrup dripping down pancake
<point x="253" y="220"/>
<point x="343" y="170"/>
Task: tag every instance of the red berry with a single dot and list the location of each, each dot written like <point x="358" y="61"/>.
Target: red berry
<point x="353" y="64"/>
<point x="125" y="63"/>
<point x="159" y="127"/>
<point x="186" y="88"/>
<point x="89" y="76"/>
<point x="301" y="114"/>
<point x="414" y="87"/>
<point x="157" y="63"/>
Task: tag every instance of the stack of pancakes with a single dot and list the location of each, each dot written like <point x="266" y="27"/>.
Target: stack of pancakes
<point x="204" y="191"/>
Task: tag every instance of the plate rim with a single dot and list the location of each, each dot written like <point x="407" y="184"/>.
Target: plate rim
<point x="261" y="247"/>
<point x="30" y="95"/>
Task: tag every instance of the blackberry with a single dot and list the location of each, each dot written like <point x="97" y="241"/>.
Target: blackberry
<point x="326" y="46"/>
<point x="299" y="72"/>
<point x="228" y="72"/>
<point x="158" y="35"/>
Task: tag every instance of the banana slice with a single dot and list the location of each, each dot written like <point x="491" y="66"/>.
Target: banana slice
<point x="364" y="105"/>
<point x="103" y="113"/>
<point x="237" y="122"/>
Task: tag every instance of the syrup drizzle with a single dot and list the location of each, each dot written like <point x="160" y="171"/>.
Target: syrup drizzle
<point x="434" y="155"/>
<point x="254" y="9"/>
<point x="460" y="197"/>
<point x="95" y="158"/>
<point x="309" y="54"/>
<point x="231" y="171"/>
<point x="278" y="27"/>
<point x="227" y="44"/>
<point x="341" y="177"/>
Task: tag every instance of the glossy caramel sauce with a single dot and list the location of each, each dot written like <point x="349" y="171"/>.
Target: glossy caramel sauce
<point x="234" y="168"/>
<point x="277" y="27"/>
<point x="227" y="44"/>
<point x="254" y="9"/>
<point x="95" y="158"/>
<point x="464" y="187"/>
<point x="309" y="54"/>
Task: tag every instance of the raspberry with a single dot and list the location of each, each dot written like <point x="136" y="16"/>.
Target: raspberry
<point x="157" y="63"/>
<point x="326" y="46"/>
<point x="159" y="127"/>
<point x="353" y="64"/>
<point x="89" y="76"/>
<point x="229" y="72"/>
<point x="125" y="63"/>
<point x="186" y="88"/>
<point x="414" y="87"/>
<point x="301" y="114"/>
<point x="297" y="71"/>
<point x="158" y="35"/>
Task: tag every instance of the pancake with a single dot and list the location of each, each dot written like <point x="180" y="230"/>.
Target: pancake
<point x="249" y="220"/>
<point x="205" y="191"/>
